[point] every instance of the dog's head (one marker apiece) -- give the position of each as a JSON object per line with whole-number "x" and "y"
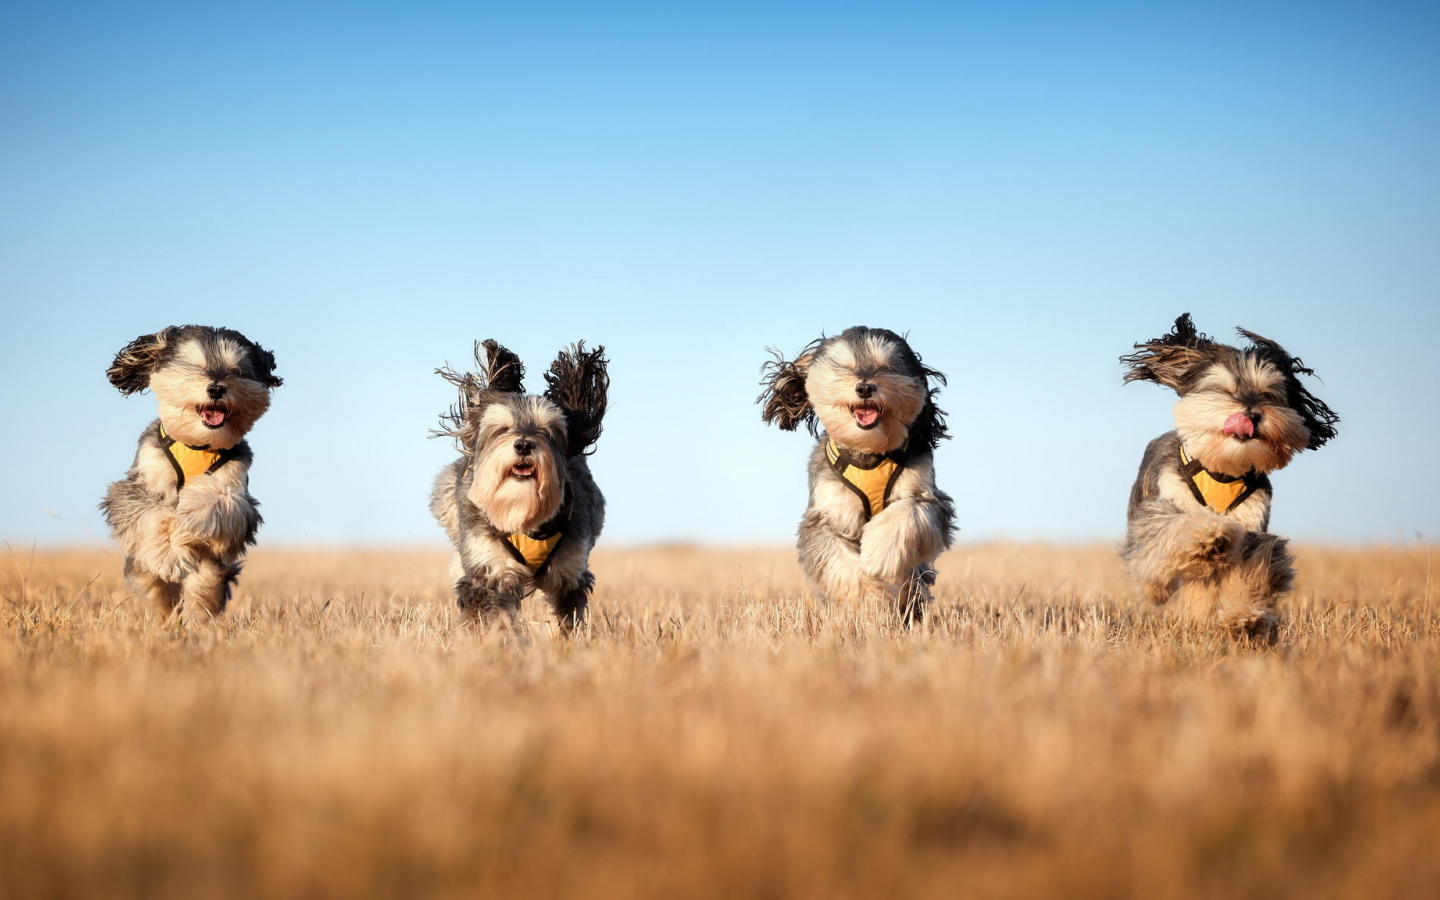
{"x": 865, "y": 386}
{"x": 1239, "y": 408}
{"x": 520, "y": 444}
{"x": 212, "y": 384}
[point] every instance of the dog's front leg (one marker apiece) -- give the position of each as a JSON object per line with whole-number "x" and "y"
{"x": 1165, "y": 545}
{"x": 832, "y": 563}
{"x": 217, "y": 512}
{"x": 907, "y": 533}
{"x": 208, "y": 587}
{"x": 163, "y": 595}
{"x": 156, "y": 549}
{"x": 486, "y": 599}
{"x": 1250, "y": 588}
{"x": 571, "y": 602}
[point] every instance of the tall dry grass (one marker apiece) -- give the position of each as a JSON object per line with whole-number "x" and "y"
{"x": 717, "y": 735}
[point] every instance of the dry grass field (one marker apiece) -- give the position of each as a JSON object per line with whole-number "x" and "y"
{"x": 715, "y": 734}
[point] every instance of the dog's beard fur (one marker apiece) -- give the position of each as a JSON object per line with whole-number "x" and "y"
{"x": 1201, "y": 414}
{"x": 181, "y": 387}
{"x": 830, "y": 384}
{"x": 512, "y": 503}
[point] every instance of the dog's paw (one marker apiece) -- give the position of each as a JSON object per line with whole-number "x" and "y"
{"x": 882, "y": 561}
{"x": 1258, "y": 624}
{"x": 163, "y": 555}
{"x": 173, "y": 566}
{"x": 1216, "y": 544}
{"x": 202, "y": 507}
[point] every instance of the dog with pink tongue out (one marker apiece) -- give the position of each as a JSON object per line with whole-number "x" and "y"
{"x": 183, "y": 513}
{"x": 1199, "y": 510}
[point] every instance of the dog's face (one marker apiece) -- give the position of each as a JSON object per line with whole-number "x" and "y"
{"x": 520, "y": 445}
{"x": 519, "y": 462}
{"x": 1240, "y": 409}
{"x": 865, "y": 386}
{"x": 212, "y": 384}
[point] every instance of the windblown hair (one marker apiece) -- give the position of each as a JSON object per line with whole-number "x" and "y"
{"x": 578, "y": 382}
{"x": 497, "y": 371}
{"x": 132, "y": 367}
{"x": 1181, "y": 358}
{"x": 1174, "y": 359}
{"x": 929, "y": 428}
{"x": 785, "y": 400}
{"x": 1319, "y": 419}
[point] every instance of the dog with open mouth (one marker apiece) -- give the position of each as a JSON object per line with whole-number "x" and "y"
{"x": 1199, "y": 512}
{"x": 520, "y": 504}
{"x": 183, "y": 513}
{"x": 876, "y": 520}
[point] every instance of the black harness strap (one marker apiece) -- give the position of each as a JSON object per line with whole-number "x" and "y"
{"x": 844, "y": 460}
{"x": 1193, "y": 468}
{"x": 167, "y": 442}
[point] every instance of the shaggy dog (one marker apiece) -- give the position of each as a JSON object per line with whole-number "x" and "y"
{"x": 183, "y": 513}
{"x": 876, "y": 521}
{"x": 1200, "y": 508}
{"x": 519, "y": 504}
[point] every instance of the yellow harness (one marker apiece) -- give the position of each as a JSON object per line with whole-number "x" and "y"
{"x": 191, "y": 462}
{"x": 872, "y": 485}
{"x": 533, "y": 551}
{"x": 1222, "y": 493}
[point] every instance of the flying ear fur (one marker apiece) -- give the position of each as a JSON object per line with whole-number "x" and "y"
{"x": 266, "y": 367}
{"x": 784, "y": 401}
{"x": 1170, "y": 359}
{"x": 929, "y": 427}
{"x": 578, "y": 382}
{"x": 1319, "y": 419}
{"x": 498, "y": 370}
{"x": 131, "y": 369}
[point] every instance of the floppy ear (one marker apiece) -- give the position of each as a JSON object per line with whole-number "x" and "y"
{"x": 1170, "y": 359}
{"x": 499, "y": 371}
{"x": 929, "y": 428}
{"x": 130, "y": 372}
{"x": 265, "y": 365}
{"x": 784, "y": 399}
{"x": 578, "y": 382}
{"x": 1319, "y": 419}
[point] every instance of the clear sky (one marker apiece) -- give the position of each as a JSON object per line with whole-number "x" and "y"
{"x": 1025, "y": 188}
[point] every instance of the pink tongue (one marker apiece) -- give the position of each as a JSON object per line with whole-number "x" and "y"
{"x": 213, "y": 417}
{"x": 1240, "y": 424}
{"x": 866, "y": 416}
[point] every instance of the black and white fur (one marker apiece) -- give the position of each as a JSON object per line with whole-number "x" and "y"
{"x": 523, "y": 468}
{"x": 872, "y": 394}
{"x": 1242, "y": 411}
{"x": 184, "y": 545}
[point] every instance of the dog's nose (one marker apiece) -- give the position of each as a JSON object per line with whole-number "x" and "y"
{"x": 216, "y": 391}
{"x": 523, "y": 446}
{"x": 1254, "y": 418}
{"x": 865, "y": 390}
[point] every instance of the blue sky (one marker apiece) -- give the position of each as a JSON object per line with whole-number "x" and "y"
{"x": 1026, "y": 189}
